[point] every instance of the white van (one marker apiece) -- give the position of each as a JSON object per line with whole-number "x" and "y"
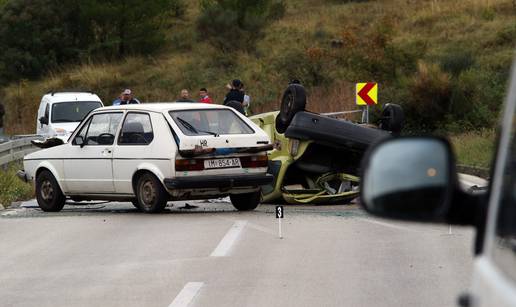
{"x": 60, "y": 113}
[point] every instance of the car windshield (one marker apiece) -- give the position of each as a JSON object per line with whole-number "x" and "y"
{"x": 214, "y": 122}
{"x": 72, "y": 111}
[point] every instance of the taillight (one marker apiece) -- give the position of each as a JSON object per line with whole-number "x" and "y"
{"x": 254, "y": 161}
{"x": 183, "y": 165}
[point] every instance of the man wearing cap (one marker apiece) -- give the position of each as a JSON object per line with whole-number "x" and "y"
{"x": 126, "y": 98}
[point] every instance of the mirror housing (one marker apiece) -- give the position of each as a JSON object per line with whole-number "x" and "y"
{"x": 43, "y": 120}
{"x": 78, "y": 140}
{"x": 409, "y": 178}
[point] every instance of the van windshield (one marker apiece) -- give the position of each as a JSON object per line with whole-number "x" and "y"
{"x": 72, "y": 111}
{"x": 212, "y": 121}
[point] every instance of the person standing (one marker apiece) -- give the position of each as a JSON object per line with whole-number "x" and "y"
{"x": 185, "y": 96}
{"x": 203, "y": 96}
{"x": 247, "y": 100}
{"x": 235, "y": 93}
{"x": 126, "y": 98}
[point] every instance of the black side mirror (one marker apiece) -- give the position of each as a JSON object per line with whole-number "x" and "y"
{"x": 79, "y": 140}
{"x": 409, "y": 178}
{"x": 43, "y": 120}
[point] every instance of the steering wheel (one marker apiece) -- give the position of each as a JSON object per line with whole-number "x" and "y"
{"x": 105, "y": 139}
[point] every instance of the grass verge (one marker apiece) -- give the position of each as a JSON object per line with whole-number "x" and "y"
{"x": 474, "y": 148}
{"x": 11, "y": 187}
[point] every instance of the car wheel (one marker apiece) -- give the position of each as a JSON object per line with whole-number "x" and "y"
{"x": 393, "y": 118}
{"x": 293, "y": 101}
{"x": 48, "y": 193}
{"x": 236, "y": 105}
{"x": 246, "y": 201}
{"x": 152, "y": 197}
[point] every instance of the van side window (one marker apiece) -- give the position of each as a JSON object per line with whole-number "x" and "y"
{"x": 504, "y": 251}
{"x": 47, "y": 111}
{"x": 136, "y": 130}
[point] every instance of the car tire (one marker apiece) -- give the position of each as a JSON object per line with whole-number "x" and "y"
{"x": 151, "y": 196}
{"x": 48, "y": 193}
{"x": 246, "y": 201}
{"x": 293, "y": 101}
{"x": 393, "y": 118}
{"x": 236, "y": 105}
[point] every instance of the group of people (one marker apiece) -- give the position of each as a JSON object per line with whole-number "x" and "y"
{"x": 236, "y": 93}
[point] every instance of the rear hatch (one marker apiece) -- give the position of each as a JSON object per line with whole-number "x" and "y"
{"x": 218, "y": 140}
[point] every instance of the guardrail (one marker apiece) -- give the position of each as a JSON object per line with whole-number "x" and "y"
{"x": 16, "y": 149}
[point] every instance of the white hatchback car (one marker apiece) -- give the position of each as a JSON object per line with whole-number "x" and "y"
{"x": 152, "y": 153}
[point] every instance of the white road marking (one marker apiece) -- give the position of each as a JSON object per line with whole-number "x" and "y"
{"x": 231, "y": 236}
{"x": 384, "y": 224}
{"x": 186, "y": 296}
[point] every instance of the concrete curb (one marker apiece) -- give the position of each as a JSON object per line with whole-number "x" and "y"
{"x": 481, "y": 172}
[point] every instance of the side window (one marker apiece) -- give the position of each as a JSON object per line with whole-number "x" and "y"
{"x": 101, "y": 129}
{"x": 136, "y": 130}
{"x": 504, "y": 252}
{"x": 47, "y": 110}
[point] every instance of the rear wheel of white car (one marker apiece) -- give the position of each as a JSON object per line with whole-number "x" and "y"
{"x": 246, "y": 201}
{"x": 152, "y": 197}
{"x": 48, "y": 193}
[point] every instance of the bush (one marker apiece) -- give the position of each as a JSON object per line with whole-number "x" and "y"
{"x": 430, "y": 94}
{"x": 457, "y": 59}
{"x": 231, "y": 25}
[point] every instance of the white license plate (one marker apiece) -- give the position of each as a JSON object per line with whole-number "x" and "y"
{"x": 222, "y": 163}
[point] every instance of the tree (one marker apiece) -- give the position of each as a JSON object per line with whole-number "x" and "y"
{"x": 236, "y": 24}
{"x": 38, "y": 35}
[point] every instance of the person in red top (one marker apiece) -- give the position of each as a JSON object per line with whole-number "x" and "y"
{"x": 203, "y": 93}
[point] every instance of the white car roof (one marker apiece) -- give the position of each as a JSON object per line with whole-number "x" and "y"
{"x": 71, "y": 96}
{"x": 165, "y": 106}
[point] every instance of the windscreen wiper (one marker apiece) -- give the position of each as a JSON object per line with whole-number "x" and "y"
{"x": 190, "y": 127}
{"x": 187, "y": 125}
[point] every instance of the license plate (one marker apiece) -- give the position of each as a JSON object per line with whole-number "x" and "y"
{"x": 222, "y": 163}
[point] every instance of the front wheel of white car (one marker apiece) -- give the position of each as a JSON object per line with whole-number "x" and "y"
{"x": 246, "y": 201}
{"x": 152, "y": 197}
{"x": 48, "y": 193}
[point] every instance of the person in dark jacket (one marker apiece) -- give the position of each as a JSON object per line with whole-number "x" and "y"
{"x": 235, "y": 93}
{"x": 126, "y": 98}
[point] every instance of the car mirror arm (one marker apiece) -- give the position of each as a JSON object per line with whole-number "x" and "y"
{"x": 469, "y": 209}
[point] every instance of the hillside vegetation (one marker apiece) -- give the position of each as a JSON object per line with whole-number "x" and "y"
{"x": 445, "y": 61}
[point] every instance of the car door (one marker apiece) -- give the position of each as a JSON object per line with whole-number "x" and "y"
{"x": 88, "y": 168}
{"x": 134, "y": 146}
{"x": 494, "y": 279}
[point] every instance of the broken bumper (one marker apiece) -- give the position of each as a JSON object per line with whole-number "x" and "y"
{"x": 199, "y": 182}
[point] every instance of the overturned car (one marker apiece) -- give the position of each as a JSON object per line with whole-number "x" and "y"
{"x": 316, "y": 158}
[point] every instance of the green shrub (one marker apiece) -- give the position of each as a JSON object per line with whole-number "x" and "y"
{"x": 429, "y": 100}
{"x": 12, "y": 188}
{"x": 232, "y": 25}
{"x": 456, "y": 59}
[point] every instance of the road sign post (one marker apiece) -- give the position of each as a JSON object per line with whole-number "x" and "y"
{"x": 366, "y": 94}
{"x": 279, "y": 216}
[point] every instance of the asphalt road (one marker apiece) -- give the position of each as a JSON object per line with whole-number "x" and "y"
{"x": 112, "y": 255}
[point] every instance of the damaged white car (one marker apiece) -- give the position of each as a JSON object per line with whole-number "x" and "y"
{"x": 152, "y": 153}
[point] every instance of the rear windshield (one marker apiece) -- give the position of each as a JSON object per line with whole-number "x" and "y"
{"x": 215, "y": 122}
{"x": 72, "y": 111}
